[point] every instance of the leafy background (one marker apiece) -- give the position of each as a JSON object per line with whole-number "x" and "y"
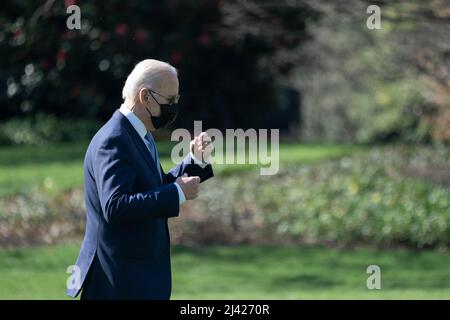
{"x": 364, "y": 117}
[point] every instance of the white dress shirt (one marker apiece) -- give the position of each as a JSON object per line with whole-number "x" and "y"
{"x": 142, "y": 131}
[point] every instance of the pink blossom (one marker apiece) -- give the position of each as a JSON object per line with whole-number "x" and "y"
{"x": 140, "y": 35}
{"x": 175, "y": 58}
{"x": 45, "y": 64}
{"x": 203, "y": 39}
{"x": 69, "y": 2}
{"x": 60, "y": 55}
{"x": 17, "y": 33}
{"x": 121, "y": 29}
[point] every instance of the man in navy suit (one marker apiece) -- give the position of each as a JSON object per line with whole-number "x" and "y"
{"x": 125, "y": 253}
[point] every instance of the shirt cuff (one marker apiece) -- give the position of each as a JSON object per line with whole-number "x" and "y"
{"x": 199, "y": 162}
{"x": 181, "y": 196}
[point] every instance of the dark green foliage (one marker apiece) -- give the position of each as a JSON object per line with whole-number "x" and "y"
{"x": 43, "y": 129}
{"x": 80, "y": 73}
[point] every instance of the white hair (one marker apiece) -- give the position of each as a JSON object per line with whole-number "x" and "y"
{"x": 144, "y": 74}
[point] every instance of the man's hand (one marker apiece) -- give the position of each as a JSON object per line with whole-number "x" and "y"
{"x": 189, "y": 185}
{"x": 201, "y": 147}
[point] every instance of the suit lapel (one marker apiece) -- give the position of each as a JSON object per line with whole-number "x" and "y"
{"x": 137, "y": 140}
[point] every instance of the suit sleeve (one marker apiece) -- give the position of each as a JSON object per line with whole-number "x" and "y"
{"x": 191, "y": 168}
{"x": 115, "y": 176}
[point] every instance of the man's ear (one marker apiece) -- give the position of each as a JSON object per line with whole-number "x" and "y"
{"x": 143, "y": 96}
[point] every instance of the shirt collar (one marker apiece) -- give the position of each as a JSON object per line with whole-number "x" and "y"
{"x": 137, "y": 124}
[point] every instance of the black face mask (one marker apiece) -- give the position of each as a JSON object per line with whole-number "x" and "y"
{"x": 169, "y": 112}
{"x": 168, "y": 115}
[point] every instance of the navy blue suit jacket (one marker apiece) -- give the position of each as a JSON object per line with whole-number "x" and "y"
{"x": 125, "y": 253}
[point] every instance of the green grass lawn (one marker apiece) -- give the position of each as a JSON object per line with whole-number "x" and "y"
{"x": 250, "y": 272}
{"x": 60, "y": 167}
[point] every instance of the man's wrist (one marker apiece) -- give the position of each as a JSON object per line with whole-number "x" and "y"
{"x": 181, "y": 196}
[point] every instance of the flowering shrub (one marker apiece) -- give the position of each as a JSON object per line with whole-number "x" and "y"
{"x": 371, "y": 199}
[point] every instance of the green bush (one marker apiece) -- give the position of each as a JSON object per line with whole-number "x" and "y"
{"x": 364, "y": 199}
{"x": 334, "y": 203}
{"x": 37, "y": 218}
{"x": 368, "y": 199}
{"x": 390, "y": 111}
{"x": 46, "y": 129}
